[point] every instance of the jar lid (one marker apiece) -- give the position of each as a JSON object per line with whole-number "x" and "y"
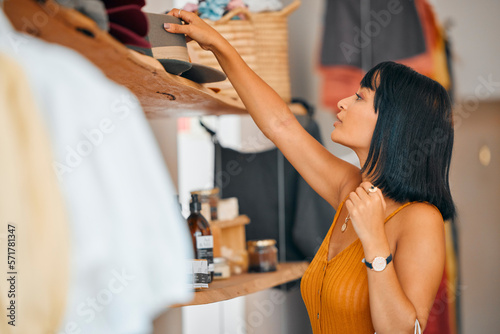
{"x": 220, "y": 260}
{"x": 206, "y": 192}
{"x": 261, "y": 243}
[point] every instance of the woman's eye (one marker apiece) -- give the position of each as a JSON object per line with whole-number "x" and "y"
{"x": 358, "y": 97}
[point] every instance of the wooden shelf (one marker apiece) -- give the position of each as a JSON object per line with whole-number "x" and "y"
{"x": 161, "y": 94}
{"x": 248, "y": 283}
{"x": 240, "y": 220}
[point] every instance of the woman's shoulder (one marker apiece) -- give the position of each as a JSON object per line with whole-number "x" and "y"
{"x": 420, "y": 210}
{"x": 418, "y": 219}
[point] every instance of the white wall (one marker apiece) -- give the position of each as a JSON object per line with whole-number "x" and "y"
{"x": 476, "y": 41}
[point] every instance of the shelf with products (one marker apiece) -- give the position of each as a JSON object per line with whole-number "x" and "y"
{"x": 247, "y": 283}
{"x": 230, "y": 235}
{"x": 161, "y": 94}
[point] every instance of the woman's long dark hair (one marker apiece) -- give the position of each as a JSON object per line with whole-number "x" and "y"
{"x": 410, "y": 152}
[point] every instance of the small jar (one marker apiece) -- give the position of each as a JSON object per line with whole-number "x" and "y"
{"x": 221, "y": 268}
{"x": 262, "y": 255}
{"x": 210, "y": 196}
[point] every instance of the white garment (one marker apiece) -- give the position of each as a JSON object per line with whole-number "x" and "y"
{"x": 257, "y": 6}
{"x": 129, "y": 242}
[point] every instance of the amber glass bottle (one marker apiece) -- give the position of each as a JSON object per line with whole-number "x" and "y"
{"x": 203, "y": 242}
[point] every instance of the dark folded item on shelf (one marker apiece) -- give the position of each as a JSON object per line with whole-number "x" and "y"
{"x": 118, "y": 3}
{"x": 127, "y": 36}
{"x": 130, "y": 17}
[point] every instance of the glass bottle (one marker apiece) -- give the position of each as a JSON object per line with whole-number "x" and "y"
{"x": 203, "y": 242}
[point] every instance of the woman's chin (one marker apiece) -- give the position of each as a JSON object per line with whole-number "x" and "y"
{"x": 333, "y": 136}
{"x": 337, "y": 139}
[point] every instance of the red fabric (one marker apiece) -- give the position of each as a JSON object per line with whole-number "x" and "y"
{"x": 439, "y": 319}
{"x": 118, "y": 3}
{"x": 127, "y": 22}
{"x": 340, "y": 82}
{"x": 130, "y": 17}
{"x": 127, "y": 36}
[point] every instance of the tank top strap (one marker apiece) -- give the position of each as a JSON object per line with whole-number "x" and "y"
{"x": 342, "y": 203}
{"x": 398, "y": 209}
{"x": 393, "y": 213}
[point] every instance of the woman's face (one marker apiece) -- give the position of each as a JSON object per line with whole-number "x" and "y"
{"x": 356, "y": 121}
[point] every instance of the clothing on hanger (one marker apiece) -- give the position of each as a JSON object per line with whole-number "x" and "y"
{"x": 129, "y": 242}
{"x": 385, "y": 33}
{"x": 33, "y": 220}
{"x": 412, "y": 37}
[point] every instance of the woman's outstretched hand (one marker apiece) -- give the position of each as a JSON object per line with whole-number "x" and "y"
{"x": 366, "y": 208}
{"x": 195, "y": 29}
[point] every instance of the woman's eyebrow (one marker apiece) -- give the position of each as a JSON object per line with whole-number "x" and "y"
{"x": 364, "y": 91}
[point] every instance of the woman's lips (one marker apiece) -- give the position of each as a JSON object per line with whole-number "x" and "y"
{"x": 337, "y": 123}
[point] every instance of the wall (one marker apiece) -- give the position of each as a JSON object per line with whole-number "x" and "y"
{"x": 474, "y": 34}
{"x": 476, "y": 191}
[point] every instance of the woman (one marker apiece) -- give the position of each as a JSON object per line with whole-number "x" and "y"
{"x": 392, "y": 210}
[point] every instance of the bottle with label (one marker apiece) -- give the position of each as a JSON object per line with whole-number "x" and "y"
{"x": 203, "y": 241}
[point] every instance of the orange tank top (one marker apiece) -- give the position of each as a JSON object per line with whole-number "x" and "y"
{"x": 335, "y": 292}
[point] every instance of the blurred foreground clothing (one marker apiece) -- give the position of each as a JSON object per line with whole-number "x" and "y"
{"x": 33, "y": 225}
{"x": 129, "y": 241}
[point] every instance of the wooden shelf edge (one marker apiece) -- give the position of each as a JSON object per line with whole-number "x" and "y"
{"x": 240, "y": 220}
{"x": 161, "y": 94}
{"x": 244, "y": 284}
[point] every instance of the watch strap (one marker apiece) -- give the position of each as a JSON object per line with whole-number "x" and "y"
{"x": 369, "y": 265}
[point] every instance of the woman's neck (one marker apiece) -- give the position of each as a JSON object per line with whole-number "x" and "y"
{"x": 391, "y": 205}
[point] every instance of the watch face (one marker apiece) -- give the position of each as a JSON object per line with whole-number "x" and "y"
{"x": 379, "y": 263}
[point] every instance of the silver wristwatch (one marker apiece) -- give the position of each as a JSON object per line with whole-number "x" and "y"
{"x": 379, "y": 263}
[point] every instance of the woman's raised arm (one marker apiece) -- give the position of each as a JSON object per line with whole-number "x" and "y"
{"x": 325, "y": 173}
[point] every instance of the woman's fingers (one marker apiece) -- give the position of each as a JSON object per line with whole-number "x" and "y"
{"x": 186, "y": 29}
{"x": 362, "y": 193}
{"x": 194, "y": 29}
{"x": 177, "y": 28}
{"x": 183, "y": 15}
{"x": 371, "y": 190}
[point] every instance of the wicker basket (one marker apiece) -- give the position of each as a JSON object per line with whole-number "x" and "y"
{"x": 262, "y": 42}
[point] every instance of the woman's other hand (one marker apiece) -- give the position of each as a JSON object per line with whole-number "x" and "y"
{"x": 195, "y": 29}
{"x": 366, "y": 207}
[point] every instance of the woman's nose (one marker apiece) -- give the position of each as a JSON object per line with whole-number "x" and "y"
{"x": 342, "y": 104}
